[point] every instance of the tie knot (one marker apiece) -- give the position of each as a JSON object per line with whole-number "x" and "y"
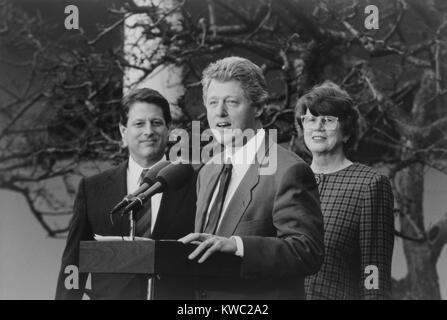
{"x": 143, "y": 174}
{"x": 228, "y": 166}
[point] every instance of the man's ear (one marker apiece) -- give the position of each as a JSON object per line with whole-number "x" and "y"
{"x": 123, "y": 134}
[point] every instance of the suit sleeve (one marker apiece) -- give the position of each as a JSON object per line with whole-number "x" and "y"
{"x": 376, "y": 238}
{"x": 298, "y": 248}
{"x": 79, "y": 230}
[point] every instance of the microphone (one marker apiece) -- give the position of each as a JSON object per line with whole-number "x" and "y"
{"x": 172, "y": 177}
{"x": 147, "y": 181}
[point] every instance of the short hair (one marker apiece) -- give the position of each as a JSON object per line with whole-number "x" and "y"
{"x": 144, "y": 95}
{"x": 239, "y": 69}
{"x": 330, "y": 100}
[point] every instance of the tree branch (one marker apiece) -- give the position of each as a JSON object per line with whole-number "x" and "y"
{"x": 375, "y": 48}
{"x": 268, "y": 51}
{"x": 212, "y": 17}
{"x": 109, "y": 29}
{"x": 276, "y": 115}
{"x": 234, "y": 12}
{"x": 12, "y": 94}
{"x": 37, "y": 213}
{"x": 407, "y": 237}
{"x": 20, "y": 113}
{"x": 403, "y": 9}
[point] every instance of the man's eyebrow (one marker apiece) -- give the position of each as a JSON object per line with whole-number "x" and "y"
{"x": 227, "y": 96}
{"x": 150, "y": 118}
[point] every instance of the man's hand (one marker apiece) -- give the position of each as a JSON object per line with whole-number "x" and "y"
{"x": 208, "y": 244}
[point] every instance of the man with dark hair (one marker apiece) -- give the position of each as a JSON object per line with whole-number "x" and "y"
{"x": 144, "y": 127}
{"x": 144, "y": 95}
{"x": 272, "y": 220}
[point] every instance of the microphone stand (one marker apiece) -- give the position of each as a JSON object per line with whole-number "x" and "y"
{"x": 150, "y": 281}
{"x": 132, "y": 218}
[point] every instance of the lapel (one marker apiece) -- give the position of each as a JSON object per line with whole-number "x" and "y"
{"x": 204, "y": 197}
{"x": 244, "y": 193}
{"x": 241, "y": 198}
{"x": 239, "y": 203}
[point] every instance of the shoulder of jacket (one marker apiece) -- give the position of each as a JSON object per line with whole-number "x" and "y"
{"x": 101, "y": 176}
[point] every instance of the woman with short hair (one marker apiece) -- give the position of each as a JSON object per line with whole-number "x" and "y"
{"x": 356, "y": 201}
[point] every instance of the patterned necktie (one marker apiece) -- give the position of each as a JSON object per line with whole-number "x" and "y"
{"x": 217, "y": 206}
{"x": 144, "y": 215}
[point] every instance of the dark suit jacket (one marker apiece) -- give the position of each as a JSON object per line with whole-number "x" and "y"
{"x": 279, "y": 220}
{"x": 96, "y": 196}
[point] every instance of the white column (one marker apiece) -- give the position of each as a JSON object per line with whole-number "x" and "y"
{"x": 142, "y": 52}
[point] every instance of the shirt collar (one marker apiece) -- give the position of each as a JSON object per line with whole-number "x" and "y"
{"x": 135, "y": 169}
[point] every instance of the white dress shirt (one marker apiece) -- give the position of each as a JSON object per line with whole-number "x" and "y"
{"x": 241, "y": 160}
{"x": 134, "y": 171}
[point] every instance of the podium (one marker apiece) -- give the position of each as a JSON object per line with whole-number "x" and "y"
{"x": 154, "y": 257}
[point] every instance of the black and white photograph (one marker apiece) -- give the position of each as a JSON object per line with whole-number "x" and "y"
{"x": 252, "y": 151}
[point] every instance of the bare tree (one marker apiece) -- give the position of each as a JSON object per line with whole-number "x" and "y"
{"x": 59, "y": 113}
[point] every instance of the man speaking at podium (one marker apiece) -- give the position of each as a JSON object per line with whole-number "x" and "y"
{"x": 144, "y": 127}
{"x": 272, "y": 220}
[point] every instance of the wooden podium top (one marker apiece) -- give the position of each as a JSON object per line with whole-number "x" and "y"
{"x": 162, "y": 257}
